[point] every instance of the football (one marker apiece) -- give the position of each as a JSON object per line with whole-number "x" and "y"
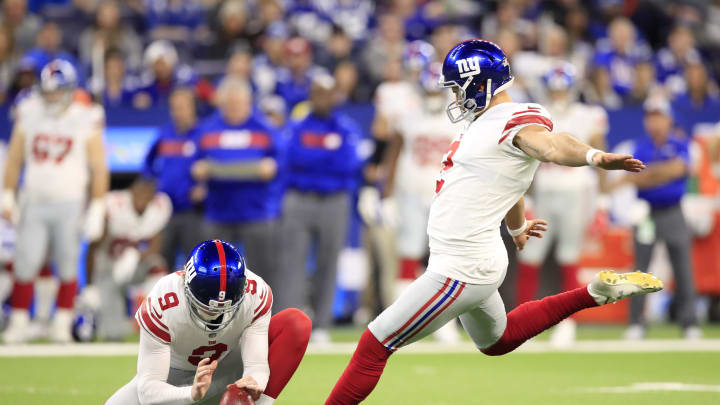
{"x": 236, "y": 396}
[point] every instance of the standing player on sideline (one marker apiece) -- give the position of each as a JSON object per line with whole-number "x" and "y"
{"x": 485, "y": 173}
{"x": 209, "y": 326}
{"x": 563, "y": 195}
{"x": 58, "y": 136}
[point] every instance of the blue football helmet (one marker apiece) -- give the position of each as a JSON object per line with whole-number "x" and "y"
{"x": 417, "y": 55}
{"x": 214, "y": 284}
{"x": 57, "y": 75}
{"x": 561, "y": 77}
{"x": 468, "y": 66}
{"x": 57, "y": 84}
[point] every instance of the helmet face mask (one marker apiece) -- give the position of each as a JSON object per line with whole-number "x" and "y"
{"x": 214, "y": 284}
{"x": 476, "y": 70}
{"x": 57, "y": 84}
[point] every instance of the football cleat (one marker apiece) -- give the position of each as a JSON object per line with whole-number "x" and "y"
{"x": 17, "y": 330}
{"x": 609, "y": 286}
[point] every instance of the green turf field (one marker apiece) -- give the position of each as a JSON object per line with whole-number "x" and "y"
{"x": 523, "y": 378}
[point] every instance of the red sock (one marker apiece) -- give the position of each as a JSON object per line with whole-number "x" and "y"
{"x": 408, "y": 268}
{"x": 22, "y": 295}
{"x": 570, "y": 273}
{"x": 526, "y": 283}
{"x": 362, "y": 374}
{"x": 66, "y": 294}
{"x": 288, "y": 336}
{"x": 45, "y": 271}
{"x": 533, "y": 317}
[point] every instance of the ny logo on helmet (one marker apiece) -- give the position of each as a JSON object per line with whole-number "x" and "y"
{"x": 468, "y": 67}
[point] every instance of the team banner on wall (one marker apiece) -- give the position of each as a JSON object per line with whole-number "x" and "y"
{"x": 127, "y": 147}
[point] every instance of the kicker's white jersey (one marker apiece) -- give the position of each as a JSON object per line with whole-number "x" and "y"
{"x": 165, "y": 315}
{"x": 426, "y": 137}
{"x": 582, "y": 121}
{"x": 126, "y": 227}
{"x": 56, "y": 161}
{"x": 483, "y": 175}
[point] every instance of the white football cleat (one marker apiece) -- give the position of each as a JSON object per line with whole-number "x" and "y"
{"x": 692, "y": 333}
{"x": 609, "y": 286}
{"x": 320, "y": 337}
{"x": 563, "y": 334}
{"x": 61, "y": 327}
{"x": 18, "y": 327}
{"x": 635, "y": 332}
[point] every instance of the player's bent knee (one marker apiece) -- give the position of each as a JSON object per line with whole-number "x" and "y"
{"x": 297, "y": 323}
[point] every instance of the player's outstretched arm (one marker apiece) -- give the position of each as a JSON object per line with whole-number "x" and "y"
{"x": 152, "y": 372}
{"x": 99, "y": 185}
{"x": 13, "y": 167}
{"x": 564, "y": 149}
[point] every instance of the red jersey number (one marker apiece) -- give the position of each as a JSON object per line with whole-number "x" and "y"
{"x": 171, "y": 300}
{"x": 54, "y": 149}
{"x": 251, "y": 287}
{"x": 447, "y": 163}
{"x": 198, "y": 354}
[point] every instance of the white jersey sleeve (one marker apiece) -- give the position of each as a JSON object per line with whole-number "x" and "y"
{"x": 532, "y": 114}
{"x": 153, "y": 367}
{"x": 254, "y": 349}
{"x": 150, "y": 314}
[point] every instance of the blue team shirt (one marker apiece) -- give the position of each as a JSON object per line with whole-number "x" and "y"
{"x": 322, "y": 153}
{"x": 668, "y": 194}
{"x": 621, "y": 67}
{"x": 168, "y": 162}
{"x": 232, "y": 201}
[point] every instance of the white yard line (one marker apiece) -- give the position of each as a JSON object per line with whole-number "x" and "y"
{"x": 583, "y": 346}
{"x": 652, "y": 387}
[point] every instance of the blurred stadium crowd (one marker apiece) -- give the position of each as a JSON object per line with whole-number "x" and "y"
{"x": 280, "y": 124}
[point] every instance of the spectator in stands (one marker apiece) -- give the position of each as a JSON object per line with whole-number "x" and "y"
{"x": 268, "y": 63}
{"x": 163, "y": 72}
{"x": 8, "y": 61}
{"x": 116, "y": 89}
{"x": 444, "y": 37}
{"x": 168, "y": 162}
{"x": 173, "y": 20}
{"x": 338, "y": 47}
{"x": 107, "y": 32}
{"x": 73, "y": 17}
{"x": 238, "y": 157}
{"x": 48, "y": 47}
{"x": 700, "y": 102}
{"x": 387, "y": 43}
{"x": 24, "y": 25}
{"x": 274, "y": 109}
{"x": 346, "y": 79}
{"x": 618, "y": 56}
{"x": 321, "y": 159}
{"x": 229, "y": 30}
{"x": 508, "y": 40}
{"x": 509, "y": 16}
{"x": 294, "y": 82}
{"x": 644, "y": 85}
{"x": 662, "y": 185}
{"x": 670, "y": 61}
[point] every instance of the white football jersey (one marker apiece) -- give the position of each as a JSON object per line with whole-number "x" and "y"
{"x": 126, "y": 227}
{"x": 582, "y": 121}
{"x": 483, "y": 175}
{"x": 56, "y": 161}
{"x": 426, "y": 137}
{"x": 397, "y": 100}
{"x": 165, "y": 315}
